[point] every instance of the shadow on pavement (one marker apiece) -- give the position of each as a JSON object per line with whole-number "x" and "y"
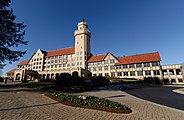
{"x": 115, "y": 96}
{"x": 28, "y": 106}
{"x": 161, "y": 95}
{"x": 13, "y": 87}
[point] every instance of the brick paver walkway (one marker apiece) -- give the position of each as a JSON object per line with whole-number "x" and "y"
{"x": 28, "y": 104}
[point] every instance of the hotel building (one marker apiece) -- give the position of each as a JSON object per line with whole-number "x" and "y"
{"x": 79, "y": 60}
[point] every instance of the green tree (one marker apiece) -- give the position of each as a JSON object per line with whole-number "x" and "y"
{"x": 11, "y": 35}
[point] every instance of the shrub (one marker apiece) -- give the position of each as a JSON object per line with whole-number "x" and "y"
{"x": 65, "y": 79}
{"x": 152, "y": 80}
{"x": 148, "y": 80}
{"x": 100, "y": 79}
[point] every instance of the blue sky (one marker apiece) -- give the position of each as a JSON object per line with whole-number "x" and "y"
{"x": 122, "y": 27}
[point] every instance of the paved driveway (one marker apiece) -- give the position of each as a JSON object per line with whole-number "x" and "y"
{"x": 31, "y": 104}
{"x": 160, "y": 94}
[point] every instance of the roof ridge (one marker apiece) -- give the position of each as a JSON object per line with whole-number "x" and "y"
{"x": 99, "y": 54}
{"x": 61, "y": 49}
{"x": 138, "y": 54}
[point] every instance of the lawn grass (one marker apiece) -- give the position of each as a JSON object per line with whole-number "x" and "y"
{"x": 90, "y": 102}
{"x": 181, "y": 89}
{"x": 133, "y": 81}
{"x": 39, "y": 85}
{"x": 53, "y": 85}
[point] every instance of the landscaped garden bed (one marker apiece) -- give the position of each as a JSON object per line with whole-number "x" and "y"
{"x": 90, "y": 102}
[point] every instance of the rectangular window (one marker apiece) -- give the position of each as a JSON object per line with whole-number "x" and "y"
{"x": 171, "y": 72}
{"x": 147, "y": 72}
{"x": 89, "y": 69}
{"x": 139, "y": 65}
{"x": 132, "y": 73}
{"x": 100, "y": 74}
{"x": 106, "y": 67}
{"x": 118, "y": 67}
{"x": 106, "y": 74}
{"x": 173, "y": 80}
{"x": 112, "y": 74}
{"x": 119, "y": 73}
{"x": 125, "y": 73}
{"x": 146, "y": 64}
{"x": 105, "y": 62}
{"x": 180, "y": 80}
{"x": 94, "y": 75}
{"x": 131, "y": 66}
{"x": 125, "y": 66}
{"x": 100, "y": 68}
{"x": 112, "y": 67}
{"x": 155, "y": 64}
{"x": 139, "y": 73}
{"x": 94, "y": 69}
{"x": 156, "y": 72}
{"x": 112, "y": 61}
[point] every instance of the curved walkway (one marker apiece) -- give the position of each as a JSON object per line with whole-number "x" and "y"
{"x": 29, "y": 104}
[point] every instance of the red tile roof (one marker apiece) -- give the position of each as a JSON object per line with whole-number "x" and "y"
{"x": 64, "y": 51}
{"x": 25, "y": 62}
{"x": 97, "y": 58}
{"x": 11, "y": 71}
{"x": 139, "y": 58}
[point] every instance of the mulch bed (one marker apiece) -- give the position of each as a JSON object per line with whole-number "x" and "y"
{"x": 89, "y": 107}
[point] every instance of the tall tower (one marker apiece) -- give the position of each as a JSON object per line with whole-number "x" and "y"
{"x": 82, "y": 45}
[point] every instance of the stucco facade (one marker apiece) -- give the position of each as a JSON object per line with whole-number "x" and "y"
{"x": 50, "y": 64}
